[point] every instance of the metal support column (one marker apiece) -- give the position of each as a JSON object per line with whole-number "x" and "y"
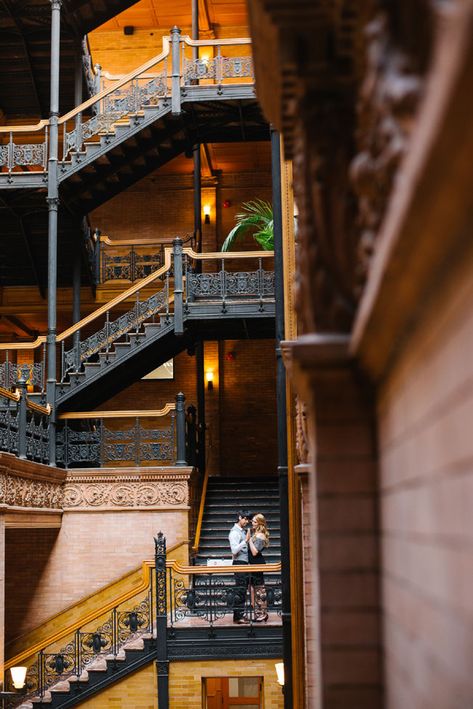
{"x": 281, "y": 419}
{"x": 53, "y": 204}
{"x": 162, "y": 662}
{"x": 76, "y": 278}
{"x": 197, "y": 198}
{"x": 180, "y": 430}
{"x": 199, "y": 363}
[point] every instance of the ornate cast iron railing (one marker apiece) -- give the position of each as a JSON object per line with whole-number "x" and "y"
{"x": 24, "y": 425}
{"x": 86, "y": 441}
{"x": 182, "y": 287}
{"x": 162, "y": 82}
{"x": 104, "y": 636}
{"x": 129, "y": 260}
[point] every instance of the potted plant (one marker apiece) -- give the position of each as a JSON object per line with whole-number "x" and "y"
{"x": 256, "y": 215}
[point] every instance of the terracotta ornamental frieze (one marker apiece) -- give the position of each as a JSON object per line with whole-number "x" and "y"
{"x": 125, "y": 490}
{"x": 22, "y": 492}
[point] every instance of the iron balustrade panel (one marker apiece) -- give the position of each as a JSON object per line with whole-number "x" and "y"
{"x": 101, "y": 445}
{"x": 37, "y": 437}
{"x": 9, "y": 429}
{"x": 10, "y": 374}
{"x": 217, "y": 69}
{"x": 78, "y": 447}
{"x": 211, "y": 597}
{"x": 227, "y": 284}
{"x": 86, "y": 645}
{"x": 113, "y": 330}
{"x": 121, "y": 103}
{"x": 131, "y": 266}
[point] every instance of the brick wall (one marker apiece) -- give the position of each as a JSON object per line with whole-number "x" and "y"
{"x": 248, "y": 442}
{"x": 49, "y": 570}
{"x": 185, "y": 680}
{"x": 185, "y": 685}
{"x": 137, "y": 691}
{"x": 426, "y": 448}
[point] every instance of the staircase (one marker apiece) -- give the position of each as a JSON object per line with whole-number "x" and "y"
{"x": 225, "y": 497}
{"x": 100, "y": 675}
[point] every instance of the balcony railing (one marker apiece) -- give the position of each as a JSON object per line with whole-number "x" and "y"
{"x": 163, "y": 81}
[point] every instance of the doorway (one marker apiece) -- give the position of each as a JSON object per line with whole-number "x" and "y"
{"x": 233, "y": 692}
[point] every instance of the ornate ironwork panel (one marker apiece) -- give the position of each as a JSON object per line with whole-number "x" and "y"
{"x": 4, "y": 155}
{"x": 102, "y": 445}
{"x": 112, "y": 331}
{"x": 11, "y": 372}
{"x": 9, "y": 429}
{"x": 30, "y": 154}
{"x": 217, "y": 69}
{"x": 225, "y": 284}
{"x": 118, "y": 104}
{"x": 37, "y": 438}
{"x": 130, "y": 266}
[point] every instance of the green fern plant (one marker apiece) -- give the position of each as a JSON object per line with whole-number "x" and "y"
{"x": 256, "y": 215}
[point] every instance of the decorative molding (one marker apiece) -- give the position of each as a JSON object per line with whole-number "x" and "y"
{"x": 127, "y": 490}
{"x": 17, "y": 491}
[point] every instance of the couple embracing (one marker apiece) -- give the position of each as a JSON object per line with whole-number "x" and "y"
{"x": 247, "y": 545}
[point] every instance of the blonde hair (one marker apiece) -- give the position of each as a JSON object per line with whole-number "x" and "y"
{"x": 261, "y": 527}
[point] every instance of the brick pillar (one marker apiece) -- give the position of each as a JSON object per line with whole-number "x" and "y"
{"x": 345, "y": 663}
{"x": 2, "y": 596}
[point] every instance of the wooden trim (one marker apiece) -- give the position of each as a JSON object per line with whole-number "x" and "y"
{"x": 45, "y": 410}
{"x": 179, "y": 568}
{"x": 201, "y": 512}
{"x": 104, "y": 239}
{"x": 146, "y": 567}
{"x": 226, "y": 254}
{"x": 7, "y": 394}
{"x": 23, "y": 345}
{"x": 118, "y": 414}
{"x": 25, "y": 129}
{"x": 214, "y": 42}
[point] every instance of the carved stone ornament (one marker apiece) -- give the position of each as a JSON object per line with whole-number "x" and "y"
{"x": 125, "y": 491}
{"x": 17, "y": 491}
{"x": 302, "y": 433}
{"x": 388, "y": 100}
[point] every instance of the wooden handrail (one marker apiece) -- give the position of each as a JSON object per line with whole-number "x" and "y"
{"x": 230, "y": 569}
{"x": 131, "y": 242}
{"x": 146, "y": 567}
{"x": 124, "y": 80}
{"x": 77, "y": 415}
{"x": 33, "y": 406}
{"x": 7, "y": 394}
{"x": 200, "y": 516}
{"x": 226, "y": 254}
{"x": 97, "y": 97}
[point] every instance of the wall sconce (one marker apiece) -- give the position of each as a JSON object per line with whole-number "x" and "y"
{"x": 209, "y": 378}
{"x": 18, "y": 678}
{"x": 206, "y": 213}
{"x": 280, "y": 673}
{"x": 18, "y": 675}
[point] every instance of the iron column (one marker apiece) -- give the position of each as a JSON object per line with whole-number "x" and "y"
{"x": 281, "y": 418}
{"x": 53, "y": 203}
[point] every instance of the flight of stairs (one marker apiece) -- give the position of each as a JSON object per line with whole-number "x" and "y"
{"x": 225, "y": 497}
{"x": 101, "y": 673}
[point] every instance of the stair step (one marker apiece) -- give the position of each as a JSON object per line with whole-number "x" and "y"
{"x": 151, "y": 328}
{"x": 106, "y": 357}
{"x": 91, "y": 368}
{"x": 121, "y": 348}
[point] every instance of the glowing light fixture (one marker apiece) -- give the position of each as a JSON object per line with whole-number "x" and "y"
{"x": 280, "y": 672}
{"x": 18, "y": 675}
{"x": 209, "y": 378}
{"x": 206, "y": 213}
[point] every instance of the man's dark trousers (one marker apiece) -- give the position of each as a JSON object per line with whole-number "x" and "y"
{"x": 241, "y": 585}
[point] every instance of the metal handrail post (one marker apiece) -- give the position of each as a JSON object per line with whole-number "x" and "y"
{"x": 178, "y": 288}
{"x": 180, "y": 430}
{"x": 176, "y": 71}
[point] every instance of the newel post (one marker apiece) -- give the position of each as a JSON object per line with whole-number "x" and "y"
{"x": 22, "y": 422}
{"x": 178, "y": 288}
{"x": 176, "y": 70}
{"x": 180, "y": 430}
{"x": 162, "y": 662}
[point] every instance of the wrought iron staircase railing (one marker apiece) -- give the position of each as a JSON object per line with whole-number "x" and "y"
{"x": 173, "y": 596}
{"x": 85, "y": 439}
{"x": 158, "y": 86}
